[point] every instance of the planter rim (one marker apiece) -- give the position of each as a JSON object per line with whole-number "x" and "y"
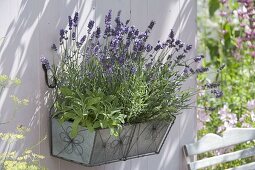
{"x": 126, "y": 124}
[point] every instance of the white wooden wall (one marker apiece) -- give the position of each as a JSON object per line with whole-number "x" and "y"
{"x": 31, "y": 26}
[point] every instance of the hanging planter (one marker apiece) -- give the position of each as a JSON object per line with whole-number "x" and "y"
{"x": 117, "y": 96}
{"x": 100, "y": 147}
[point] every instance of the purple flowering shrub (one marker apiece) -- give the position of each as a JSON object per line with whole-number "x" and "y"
{"x": 112, "y": 75}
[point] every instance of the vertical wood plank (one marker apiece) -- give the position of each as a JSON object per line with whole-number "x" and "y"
{"x": 20, "y": 27}
{"x": 7, "y": 19}
{"x": 102, "y": 8}
{"x": 139, "y": 14}
{"x": 188, "y": 34}
{"x": 166, "y": 15}
{"x": 52, "y": 17}
{"x": 66, "y": 165}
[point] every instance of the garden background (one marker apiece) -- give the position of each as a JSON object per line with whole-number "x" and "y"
{"x": 30, "y": 27}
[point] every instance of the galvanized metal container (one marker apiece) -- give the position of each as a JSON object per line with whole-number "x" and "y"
{"x": 99, "y": 147}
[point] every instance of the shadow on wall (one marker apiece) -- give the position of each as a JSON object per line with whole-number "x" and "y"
{"x": 35, "y": 26}
{"x": 20, "y": 55}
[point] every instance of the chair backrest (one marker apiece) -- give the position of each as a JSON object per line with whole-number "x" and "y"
{"x": 213, "y": 142}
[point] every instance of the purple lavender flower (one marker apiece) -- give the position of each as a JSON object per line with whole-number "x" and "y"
{"x": 90, "y": 25}
{"x": 192, "y": 71}
{"x": 114, "y": 44}
{"x": 158, "y": 46}
{"x": 186, "y": 70}
{"x": 138, "y": 45}
{"x": 121, "y": 59}
{"x": 128, "y": 42}
{"x": 83, "y": 38}
{"x": 108, "y": 18}
{"x": 62, "y": 34}
{"x": 73, "y": 35}
{"x": 75, "y": 19}
{"x": 177, "y": 42}
{"x": 127, "y": 22}
{"x": 54, "y": 47}
{"x": 164, "y": 45}
{"x": 78, "y": 45}
{"x": 70, "y": 22}
{"x": 130, "y": 35}
{"x": 45, "y": 62}
{"x": 171, "y": 35}
{"x": 148, "y": 65}
{"x": 212, "y": 85}
{"x": 217, "y": 93}
{"x": 149, "y": 48}
{"x": 188, "y": 48}
{"x": 66, "y": 37}
{"x": 117, "y": 19}
{"x": 133, "y": 70}
{"x": 221, "y": 67}
{"x": 181, "y": 45}
{"x": 143, "y": 36}
{"x": 197, "y": 59}
{"x": 136, "y": 33}
{"x": 181, "y": 56}
{"x": 152, "y": 23}
{"x": 96, "y": 49}
{"x": 98, "y": 32}
{"x": 202, "y": 69}
{"x": 107, "y": 31}
{"x": 126, "y": 28}
{"x": 110, "y": 70}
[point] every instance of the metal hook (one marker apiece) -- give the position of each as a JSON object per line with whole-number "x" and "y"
{"x": 54, "y": 84}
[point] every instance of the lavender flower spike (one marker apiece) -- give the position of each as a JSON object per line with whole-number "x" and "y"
{"x": 62, "y": 34}
{"x": 75, "y": 19}
{"x": 108, "y": 18}
{"x": 54, "y": 47}
{"x": 148, "y": 48}
{"x": 70, "y": 22}
{"x": 171, "y": 35}
{"x": 152, "y": 23}
{"x": 90, "y": 25}
{"x": 45, "y": 62}
{"x": 98, "y": 32}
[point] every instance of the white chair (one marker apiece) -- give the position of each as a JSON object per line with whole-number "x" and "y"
{"x": 212, "y": 142}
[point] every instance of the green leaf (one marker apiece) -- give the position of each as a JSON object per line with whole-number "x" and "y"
{"x": 103, "y": 123}
{"x": 213, "y": 6}
{"x": 92, "y": 101}
{"x": 96, "y": 125}
{"x": 66, "y": 91}
{"x": 115, "y": 111}
{"x": 90, "y": 126}
{"x": 75, "y": 125}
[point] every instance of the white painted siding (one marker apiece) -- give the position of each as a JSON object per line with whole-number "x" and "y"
{"x": 31, "y": 26}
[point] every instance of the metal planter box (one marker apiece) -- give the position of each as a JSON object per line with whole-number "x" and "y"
{"x": 99, "y": 147}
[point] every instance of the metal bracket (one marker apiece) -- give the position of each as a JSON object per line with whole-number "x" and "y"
{"x": 54, "y": 84}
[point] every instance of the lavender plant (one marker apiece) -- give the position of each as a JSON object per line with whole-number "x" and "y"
{"x": 112, "y": 75}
